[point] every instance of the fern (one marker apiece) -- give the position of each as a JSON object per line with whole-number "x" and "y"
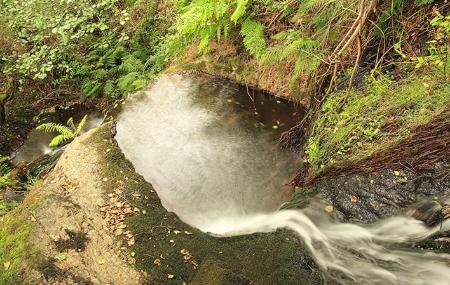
{"x": 131, "y": 64}
{"x": 253, "y": 33}
{"x": 241, "y": 7}
{"x": 131, "y": 82}
{"x": 202, "y": 19}
{"x": 65, "y": 133}
{"x": 313, "y": 5}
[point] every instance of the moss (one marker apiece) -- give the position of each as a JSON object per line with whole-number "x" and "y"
{"x": 16, "y": 253}
{"x": 14, "y": 246}
{"x": 354, "y": 124}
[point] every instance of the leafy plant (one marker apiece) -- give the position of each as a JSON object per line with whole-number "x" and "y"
{"x": 5, "y": 207}
{"x": 439, "y": 47}
{"x": 65, "y": 133}
{"x": 6, "y": 180}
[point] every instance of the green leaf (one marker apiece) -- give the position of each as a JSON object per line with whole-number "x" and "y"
{"x": 60, "y": 256}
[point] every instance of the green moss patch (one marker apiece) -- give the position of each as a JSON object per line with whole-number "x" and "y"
{"x": 354, "y": 124}
{"x": 14, "y": 246}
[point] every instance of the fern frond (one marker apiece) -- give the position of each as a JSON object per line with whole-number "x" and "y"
{"x": 253, "y": 33}
{"x": 80, "y": 125}
{"x": 59, "y": 140}
{"x": 241, "y": 7}
{"x": 91, "y": 88}
{"x": 131, "y": 64}
{"x": 313, "y": 5}
{"x": 70, "y": 123}
{"x": 53, "y": 127}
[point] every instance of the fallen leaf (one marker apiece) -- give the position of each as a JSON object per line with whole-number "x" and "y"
{"x": 157, "y": 262}
{"x": 170, "y": 276}
{"x": 6, "y": 265}
{"x": 329, "y": 209}
{"x": 354, "y": 199}
{"x": 188, "y": 233}
{"x": 397, "y": 173}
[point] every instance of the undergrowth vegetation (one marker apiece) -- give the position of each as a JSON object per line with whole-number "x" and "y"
{"x": 354, "y": 124}
{"x": 357, "y": 123}
{"x": 307, "y": 44}
{"x": 5, "y": 176}
{"x": 107, "y": 46}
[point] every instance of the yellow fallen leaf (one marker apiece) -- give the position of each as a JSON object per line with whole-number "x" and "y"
{"x": 170, "y": 276}
{"x": 329, "y": 209}
{"x": 6, "y": 265}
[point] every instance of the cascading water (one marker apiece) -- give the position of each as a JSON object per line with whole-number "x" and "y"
{"x": 214, "y": 161}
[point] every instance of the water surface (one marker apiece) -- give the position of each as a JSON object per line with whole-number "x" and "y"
{"x": 209, "y": 148}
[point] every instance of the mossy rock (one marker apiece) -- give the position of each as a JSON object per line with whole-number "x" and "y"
{"x": 60, "y": 234}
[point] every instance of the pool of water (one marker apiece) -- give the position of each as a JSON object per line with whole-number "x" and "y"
{"x": 209, "y": 147}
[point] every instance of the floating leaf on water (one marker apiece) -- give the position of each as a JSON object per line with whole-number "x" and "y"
{"x": 157, "y": 262}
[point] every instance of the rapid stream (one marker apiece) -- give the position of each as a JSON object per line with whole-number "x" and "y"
{"x": 210, "y": 150}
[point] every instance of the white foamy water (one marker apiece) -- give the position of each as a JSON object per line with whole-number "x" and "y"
{"x": 202, "y": 162}
{"x": 226, "y": 177}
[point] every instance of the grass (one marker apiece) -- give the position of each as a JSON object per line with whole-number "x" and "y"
{"x": 354, "y": 124}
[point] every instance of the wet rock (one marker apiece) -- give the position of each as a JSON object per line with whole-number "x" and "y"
{"x": 369, "y": 197}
